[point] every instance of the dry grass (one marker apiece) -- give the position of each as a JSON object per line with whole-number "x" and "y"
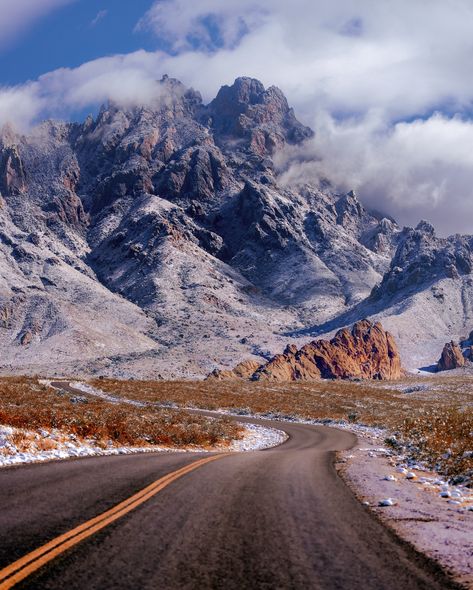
{"x": 25, "y": 404}
{"x": 442, "y": 438}
{"x": 432, "y": 416}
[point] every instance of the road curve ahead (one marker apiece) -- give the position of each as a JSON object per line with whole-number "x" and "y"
{"x": 275, "y": 519}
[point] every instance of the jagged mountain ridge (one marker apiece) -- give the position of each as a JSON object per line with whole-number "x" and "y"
{"x": 157, "y": 240}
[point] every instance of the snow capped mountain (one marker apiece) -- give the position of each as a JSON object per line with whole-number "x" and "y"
{"x": 158, "y": 241}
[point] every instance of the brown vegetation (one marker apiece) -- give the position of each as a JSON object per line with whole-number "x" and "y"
{"x": 25, "y": 404}
{"x": 442, "y": 438}
{"x": 434, "y": 416}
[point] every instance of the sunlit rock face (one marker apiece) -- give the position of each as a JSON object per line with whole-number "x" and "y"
{"x": 366, "y": 351}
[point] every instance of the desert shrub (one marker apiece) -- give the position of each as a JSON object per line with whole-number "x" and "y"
{"x": 26, "y": 405}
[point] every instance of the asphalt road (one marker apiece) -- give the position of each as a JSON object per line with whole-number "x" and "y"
{"x": 275, "y": 519}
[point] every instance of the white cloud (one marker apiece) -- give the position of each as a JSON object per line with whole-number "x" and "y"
{"x": 101, "y": 14}
{"x": 406, "y": 58}
{"x": 207, "y": 24}
{"x": 127, "y": 79}
{"x": 366, "y": 75}
{"x": 19, "y": 105}
{"x": 17, "y": 15}
{"x": 420, "y": 169}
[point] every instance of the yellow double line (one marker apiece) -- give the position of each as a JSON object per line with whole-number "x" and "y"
{"x": 25, "y": 566}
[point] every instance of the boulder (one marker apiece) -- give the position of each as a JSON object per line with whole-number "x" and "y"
{"x": 244, "y": 370}
{"x": 452, "y": 357}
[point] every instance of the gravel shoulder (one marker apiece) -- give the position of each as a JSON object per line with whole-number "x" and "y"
{"x": 440, "y": 527}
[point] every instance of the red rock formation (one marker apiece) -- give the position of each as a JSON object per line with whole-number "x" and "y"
{"x": 452, "y": 357}
{"x": 244, "y": 370}
{"x": 366, "y": 351}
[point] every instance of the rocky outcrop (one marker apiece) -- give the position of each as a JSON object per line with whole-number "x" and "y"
{"x": 366, "y": 351}
{"x": 12, "y": 173}
{"x": 244, "y": 370}
{"x": 26, "y": 338}
{"x": 452, "y": 357}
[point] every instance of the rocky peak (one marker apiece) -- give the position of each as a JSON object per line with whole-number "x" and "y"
{"x": 349, "y": 210}
{"x": 422, "y": 258}
{"x": 262, "y": 117}
{"x": 243, "y": 92}
{"x": 425, "y": 228}
{"x": 383, "y": 238}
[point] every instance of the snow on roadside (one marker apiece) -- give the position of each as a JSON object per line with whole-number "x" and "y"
{"x": 62, "y": 446}
{"x": 18, "y": 446}
{"x": 105, "y": 396}
{"x": 421, "y": 506}
{"x": 418, "y": 504}
{"x": 257, "y": 438}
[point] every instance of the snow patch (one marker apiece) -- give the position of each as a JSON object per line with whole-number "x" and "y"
{"x": 258, "y": 438}
{"x": 113, "y": 399}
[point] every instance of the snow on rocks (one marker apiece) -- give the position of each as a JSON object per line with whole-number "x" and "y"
{"x": 390, "y": 478}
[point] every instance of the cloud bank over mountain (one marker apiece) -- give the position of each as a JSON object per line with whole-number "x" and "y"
{"x": 388, "y": 91}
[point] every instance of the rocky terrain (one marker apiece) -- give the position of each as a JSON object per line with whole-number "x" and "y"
{"x": 158, "y": 241}
{"x": 366, "y": 351}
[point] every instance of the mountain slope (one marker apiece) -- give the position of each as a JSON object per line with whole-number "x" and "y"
{"x": 157, "y": 240}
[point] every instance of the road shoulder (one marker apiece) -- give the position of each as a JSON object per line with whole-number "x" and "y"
{"x": 440, "y": 527}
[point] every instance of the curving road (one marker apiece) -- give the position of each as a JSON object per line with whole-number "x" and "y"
{"x": 275, "y": 519}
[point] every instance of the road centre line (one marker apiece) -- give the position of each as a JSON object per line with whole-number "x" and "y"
{"x": 28, "y": 564}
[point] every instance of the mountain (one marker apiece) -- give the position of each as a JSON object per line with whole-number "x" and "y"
{"x": 158, "y": 240}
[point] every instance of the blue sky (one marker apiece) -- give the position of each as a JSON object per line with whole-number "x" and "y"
{"x": 67, "y": 38}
